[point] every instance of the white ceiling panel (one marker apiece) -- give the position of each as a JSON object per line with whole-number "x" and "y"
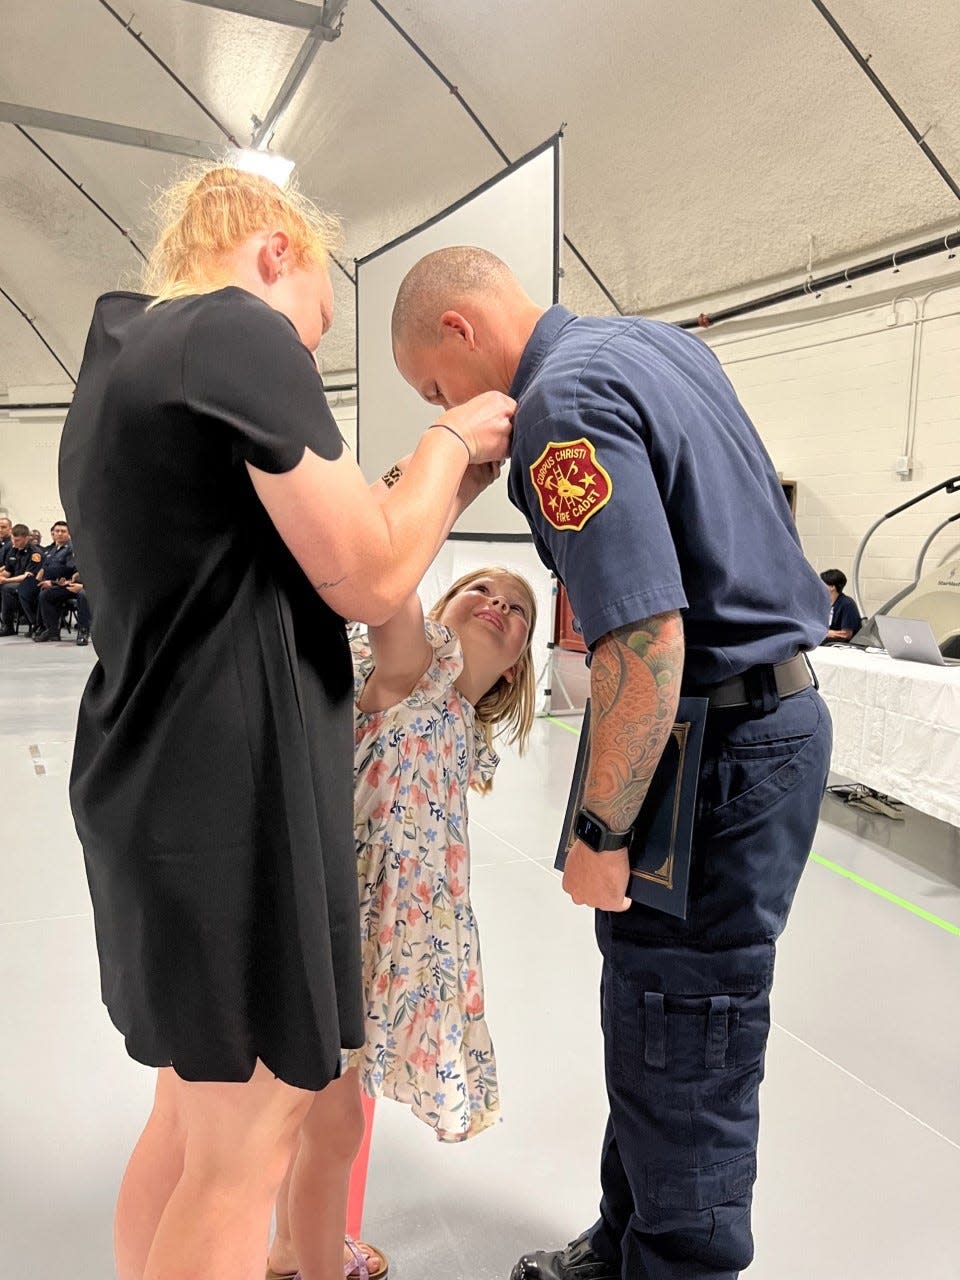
{"x": 709, "y": 148}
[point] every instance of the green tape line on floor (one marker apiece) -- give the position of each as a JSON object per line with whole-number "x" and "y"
{"x": 563, "y": 725}
{"x": 912, "y": 907}
{"x": 885, "y": 893}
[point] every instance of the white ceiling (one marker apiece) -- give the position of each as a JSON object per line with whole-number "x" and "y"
{"x": 705, "y": 143}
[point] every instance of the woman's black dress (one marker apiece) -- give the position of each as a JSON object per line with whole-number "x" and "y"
{"x": 212, "y": 781}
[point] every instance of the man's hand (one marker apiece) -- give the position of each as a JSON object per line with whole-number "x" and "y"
{"x": 597, "y": 879}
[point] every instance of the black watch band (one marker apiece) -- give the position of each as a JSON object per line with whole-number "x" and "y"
{"x": 595, "y": 833}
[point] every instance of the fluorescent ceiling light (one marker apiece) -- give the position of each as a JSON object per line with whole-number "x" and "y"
{"x": 269, "y": 165}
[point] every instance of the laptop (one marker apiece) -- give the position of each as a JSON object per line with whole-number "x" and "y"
{"x": 912, "y": 640}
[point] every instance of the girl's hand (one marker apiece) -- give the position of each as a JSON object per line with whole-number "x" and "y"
{"x": 477, "y": 477}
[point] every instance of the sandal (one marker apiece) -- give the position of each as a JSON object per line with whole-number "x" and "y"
{"x": 367, "y": 1263}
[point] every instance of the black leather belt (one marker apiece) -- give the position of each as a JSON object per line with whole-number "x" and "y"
{"x": 789, "y": 677}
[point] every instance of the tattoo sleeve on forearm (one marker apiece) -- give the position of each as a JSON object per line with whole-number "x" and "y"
{"x": 635, "y": 686}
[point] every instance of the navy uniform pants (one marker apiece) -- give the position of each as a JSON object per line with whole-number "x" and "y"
{"x": 9, "y": 596}
{"x": 685, "y": 1004}
{"x": 52, "y": 602}
{"x": 29, "y": 593}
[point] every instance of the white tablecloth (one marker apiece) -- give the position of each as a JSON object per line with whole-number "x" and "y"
{"x": 896, "y": 726}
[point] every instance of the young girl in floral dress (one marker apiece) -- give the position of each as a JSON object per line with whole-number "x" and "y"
{"x": 429, "y": 699}
{"x": 430, "y": 695}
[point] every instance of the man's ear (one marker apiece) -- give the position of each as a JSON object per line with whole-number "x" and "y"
{"x": 454, "y": 325}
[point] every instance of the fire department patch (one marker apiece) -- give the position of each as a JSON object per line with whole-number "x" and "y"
{"x": 570, "y": 483}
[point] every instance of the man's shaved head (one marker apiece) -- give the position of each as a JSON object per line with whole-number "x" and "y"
{"x": 460, "y": 325}
{"x": 444, "y": 280}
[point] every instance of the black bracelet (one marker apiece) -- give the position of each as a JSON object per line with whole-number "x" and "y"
{"x": 453, "y": 432}
{"x": 391, "y": 477}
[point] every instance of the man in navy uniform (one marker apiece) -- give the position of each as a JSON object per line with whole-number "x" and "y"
{"x": 649, "y": 493}
{"x": 844, "y": 614}
{"x": 6, "y": 542}
{"x": 57, "y": 567}
{"x": 22, "y": 562}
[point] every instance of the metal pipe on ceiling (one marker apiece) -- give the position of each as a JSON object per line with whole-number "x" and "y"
{"x": 889, "y": 262}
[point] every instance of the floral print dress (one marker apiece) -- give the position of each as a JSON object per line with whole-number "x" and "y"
{"x": 427, "y": 1041}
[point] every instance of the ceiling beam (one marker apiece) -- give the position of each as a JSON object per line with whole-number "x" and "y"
{"x": 105, "y": 131}
{"x": 326, "y": 29}
{"x": 289, "y": 13}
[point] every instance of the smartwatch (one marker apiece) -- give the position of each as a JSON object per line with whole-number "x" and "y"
{"x": 596, "y": 835}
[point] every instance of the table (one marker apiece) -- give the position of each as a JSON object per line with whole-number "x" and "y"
{"x": 896, "y": 726}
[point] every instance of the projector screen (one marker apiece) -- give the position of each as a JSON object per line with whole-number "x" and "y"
{"x": 516, "y": 215}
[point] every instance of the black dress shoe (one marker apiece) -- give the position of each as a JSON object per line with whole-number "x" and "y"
{"x": 576, "y": 1262}
{"x": 39, "y": 634}
{"x": 45, "y": 636}
{"x": 7, "y": 631}
{"x": 83, "y": 636}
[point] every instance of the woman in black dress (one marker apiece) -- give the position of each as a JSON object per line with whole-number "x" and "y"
{"x": 212, "y": 774}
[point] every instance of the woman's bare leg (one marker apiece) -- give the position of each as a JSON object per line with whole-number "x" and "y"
{"x": 329, "y": 1140}
{"x": 153, "y": 1172}
{"x": 239, "y": 1141}
{"x": 283, "y": 1255}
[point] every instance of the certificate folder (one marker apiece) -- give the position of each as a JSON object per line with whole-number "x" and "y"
{"x": 662, "y": 835}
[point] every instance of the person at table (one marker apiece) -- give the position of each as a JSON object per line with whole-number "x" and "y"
{"x": 844, "y": 614}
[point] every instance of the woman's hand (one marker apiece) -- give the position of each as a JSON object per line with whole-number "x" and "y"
{"x": 484, "y": 424}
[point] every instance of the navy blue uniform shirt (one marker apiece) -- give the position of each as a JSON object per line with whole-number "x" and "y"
{"x": 27, "y": 560}
{"x": 844, "y": 615}
{"x": 648, "y": 489}
{"x": 59, "y": 563}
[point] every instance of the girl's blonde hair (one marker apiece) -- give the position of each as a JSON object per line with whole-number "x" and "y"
{"x": 208, "y": 214}
{"x": 508, "y": 707}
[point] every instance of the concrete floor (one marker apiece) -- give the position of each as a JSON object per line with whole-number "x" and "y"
{"x": 860, "y": 1150}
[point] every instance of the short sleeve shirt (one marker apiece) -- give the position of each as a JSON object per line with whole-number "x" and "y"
{"x": 844, "y": 616}
{"x": 647, "y": 489}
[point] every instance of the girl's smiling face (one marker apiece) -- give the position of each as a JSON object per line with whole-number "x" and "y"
{"x": 491, "y": 615}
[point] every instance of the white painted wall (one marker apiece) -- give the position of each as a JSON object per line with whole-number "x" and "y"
{"x": 842, "y": 388}
{"x": 29, "y": 445}
{"x": 28, "y": 470}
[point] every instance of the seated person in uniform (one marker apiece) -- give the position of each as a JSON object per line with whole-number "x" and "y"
{"x": 6, "y": 542}
{"x": 57, "y": 568}
{"x": 23, "y": 560}
{"x": 844, "y": 614}
{"x": 53, "y": 600}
